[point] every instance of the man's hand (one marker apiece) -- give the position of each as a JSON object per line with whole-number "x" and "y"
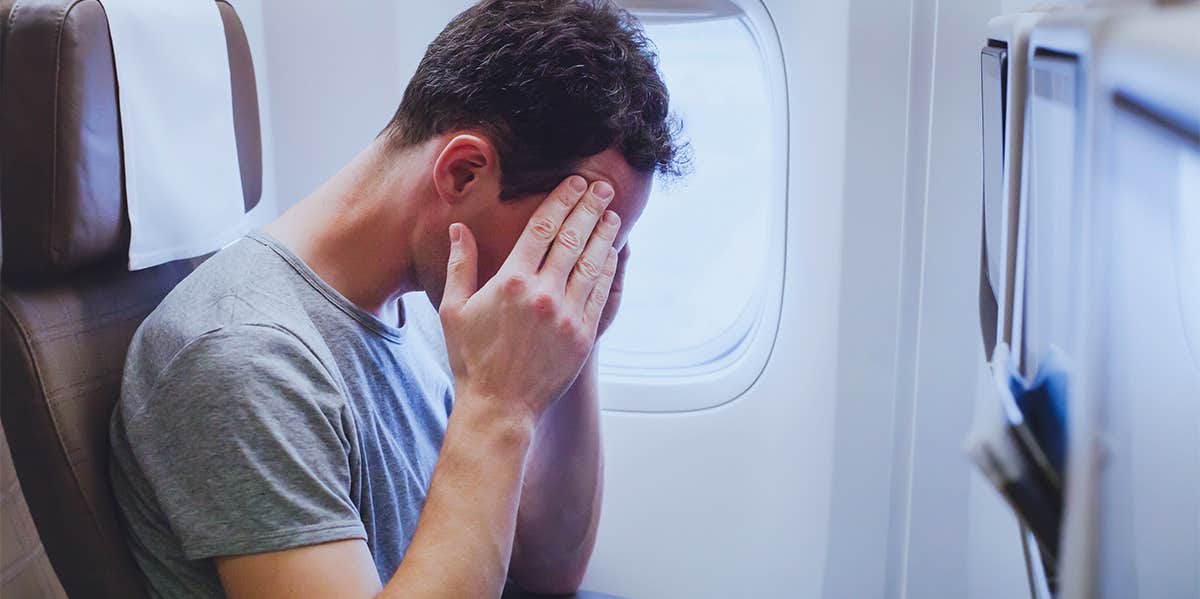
{"x": 524, "y": 336}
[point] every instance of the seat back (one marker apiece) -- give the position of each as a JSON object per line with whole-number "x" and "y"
{"x": 24, "y": 568}
{"x": 68, "y": 305}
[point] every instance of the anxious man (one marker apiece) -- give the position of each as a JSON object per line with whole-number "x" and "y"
{"x": 297, "y": 420}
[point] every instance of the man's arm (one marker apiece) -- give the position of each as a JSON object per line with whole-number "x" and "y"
{"x": 555, "y": 528}
{"x": 462, "y": 543}
{"x": 564, "y": 485}
{"x": 564, "y": 478}
{"x": 515, "y": 346}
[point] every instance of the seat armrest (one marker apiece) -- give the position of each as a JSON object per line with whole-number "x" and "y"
{"x": 511, "y": 593}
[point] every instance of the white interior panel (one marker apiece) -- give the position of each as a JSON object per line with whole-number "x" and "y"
{"x": 949, "y": 536}
{"x": 1149, "y": 386}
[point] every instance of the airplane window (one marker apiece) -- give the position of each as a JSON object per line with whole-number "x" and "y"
{"x": 695, "y": 283}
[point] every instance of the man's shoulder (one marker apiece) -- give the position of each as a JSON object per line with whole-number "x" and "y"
{"x": 244, "y": 282}
{"x": 238, "y": 367}
{"x": 240, "y": 296}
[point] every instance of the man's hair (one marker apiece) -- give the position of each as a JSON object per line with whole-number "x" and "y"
{"x": 550, "y": 82}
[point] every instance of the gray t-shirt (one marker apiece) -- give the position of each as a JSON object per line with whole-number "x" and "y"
{"x": 263, "y": 411}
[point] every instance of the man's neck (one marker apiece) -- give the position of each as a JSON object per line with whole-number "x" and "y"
{"x": 355, "y": 232}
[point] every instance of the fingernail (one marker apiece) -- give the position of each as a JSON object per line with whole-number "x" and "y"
{"x": 611, "y": 218}
{"x": 604, "y": 191}
{"x": 577, "y": 184}
{"x": 455, "y": 233}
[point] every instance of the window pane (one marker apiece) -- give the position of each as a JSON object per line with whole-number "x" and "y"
{"x": 695, "y": 283}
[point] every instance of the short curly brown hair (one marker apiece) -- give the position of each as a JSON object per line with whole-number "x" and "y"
{"x": 551, "y": 82}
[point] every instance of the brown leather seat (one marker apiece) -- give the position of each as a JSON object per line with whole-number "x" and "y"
{"x": 69, "y": 305}
{"x": 24, "y": 568}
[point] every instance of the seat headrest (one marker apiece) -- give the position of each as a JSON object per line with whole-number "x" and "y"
{"x": 62, "y": 199}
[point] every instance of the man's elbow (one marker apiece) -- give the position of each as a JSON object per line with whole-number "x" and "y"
{"x": 564, "y": 579}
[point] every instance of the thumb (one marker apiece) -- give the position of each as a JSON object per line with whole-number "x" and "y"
{"x": 462, "y": 268}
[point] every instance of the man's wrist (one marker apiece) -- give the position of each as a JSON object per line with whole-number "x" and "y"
{"x": 505, "y": 420}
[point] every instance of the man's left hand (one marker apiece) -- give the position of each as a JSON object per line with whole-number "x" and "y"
{"x": 614, "y": 295}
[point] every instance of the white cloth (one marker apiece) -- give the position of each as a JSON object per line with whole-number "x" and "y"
{"x": 182, "y": 179}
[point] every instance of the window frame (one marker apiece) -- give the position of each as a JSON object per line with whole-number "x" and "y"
{"x": 718, "y": 381}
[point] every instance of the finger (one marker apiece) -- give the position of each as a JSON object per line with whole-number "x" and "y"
{"x": 576, "y": 232}
{"x": 590, "y": 265}
{"x": 599, "y": 297}
{"x": 462, "y": 269}
{"x": 544, "y": 225}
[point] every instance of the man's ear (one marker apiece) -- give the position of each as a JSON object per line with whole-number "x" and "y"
{"x": 467, "y": 167}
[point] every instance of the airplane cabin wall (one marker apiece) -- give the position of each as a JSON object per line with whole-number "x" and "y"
{"x": 952, "y": 535}
{"x": 334, "y": 74}
{"x": 911, "y": 365}
{"x": 840, "y": 473}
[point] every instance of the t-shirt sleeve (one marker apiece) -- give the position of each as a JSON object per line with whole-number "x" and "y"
{"x": 245, "y": 443}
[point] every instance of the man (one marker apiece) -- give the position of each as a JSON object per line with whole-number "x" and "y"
{"x": 290, "y": 425}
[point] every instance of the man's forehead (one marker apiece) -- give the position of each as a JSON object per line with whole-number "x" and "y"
{"x": 632, "y": 187}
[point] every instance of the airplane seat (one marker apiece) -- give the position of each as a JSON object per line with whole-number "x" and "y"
{"x": 25, "y": 569}
{"x": 69, "y": 305}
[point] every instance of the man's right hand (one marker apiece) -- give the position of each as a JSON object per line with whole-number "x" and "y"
{"x": 522, "y": 339}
